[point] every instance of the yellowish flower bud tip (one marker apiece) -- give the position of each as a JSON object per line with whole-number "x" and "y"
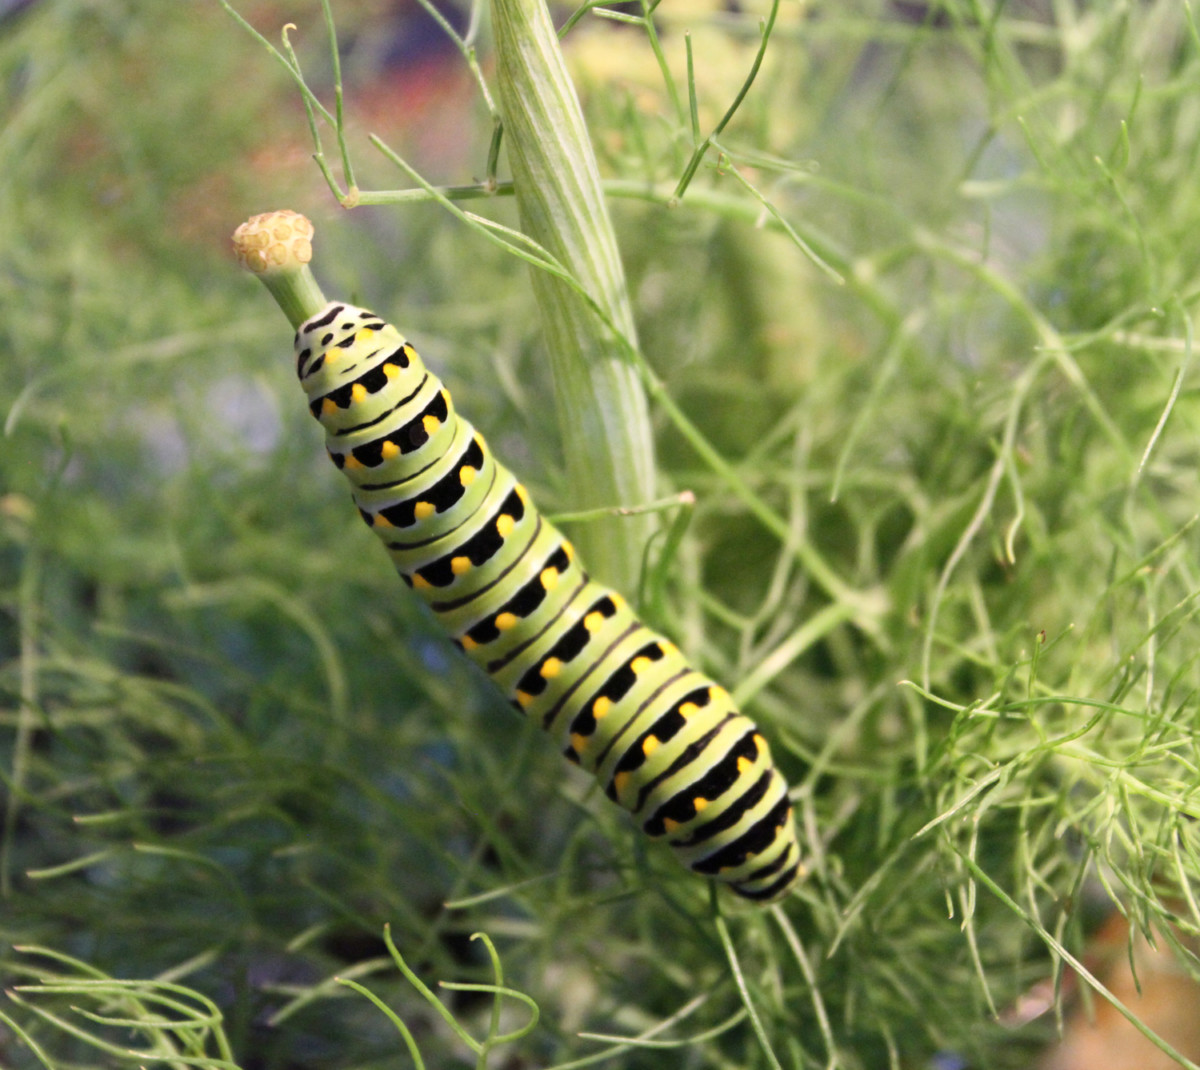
{"x": 274, "y": 242}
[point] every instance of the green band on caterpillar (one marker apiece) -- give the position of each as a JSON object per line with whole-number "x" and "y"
{"x": 663, "y": 740}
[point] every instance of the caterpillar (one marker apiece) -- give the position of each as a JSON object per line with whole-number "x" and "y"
{"x": 664, "y": 741}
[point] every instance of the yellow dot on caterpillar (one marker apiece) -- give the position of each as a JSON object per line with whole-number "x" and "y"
{"x": 466, "y": 475}
{"x": 431, "y": 424}
{"x": 688, "y": 709}
{"x": 389, "y": 449}
{"x": 718, "y": 694}
{"x": 649, "y": 745}
{"x": 468, "y": 643}
{"x": 745, "y": 765}
{"x": 524, "y": 699}
{"x": 618, "y": 601}
{"x": 593, "y": 622}
{"x": 761, "y": 744}
{"x": 505, "y": 621}
{"x": 522, "y": 493}
{"x": 381, "y": 521}
{"x": 619, "y": 782}
{"x": 700, "y": 803}
{"x": 331, "y": 355}
{"x": 352, "y": 461}
{"x": 419, "y": 582}
{"x": 579, "y": 742}
{"x": 358, "y": 392}
{"x": 640, "y": 665}
{"x": 328, "y": 407}
{"x": 390, "y": 370}
{"x": 505, "y": 525}
{"x": 551, "y": 667}
{"x": 669, "y": 824}
{"x": 568, "y": 549}
{"x": 669, "y": 650}
{"x": 460, "y": 565}
{"x": 549, "y": 578}
{"x": 424, "y": 510}
{"x": 601, "y": 707}
{"x": 410, "y": 352}
{"x": 363, "y": 334}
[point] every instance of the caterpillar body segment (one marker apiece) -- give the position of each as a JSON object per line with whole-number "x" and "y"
{"x": 663, "y": 740}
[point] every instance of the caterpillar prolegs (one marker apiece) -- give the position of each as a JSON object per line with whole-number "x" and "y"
{"x": 663, "y": 740}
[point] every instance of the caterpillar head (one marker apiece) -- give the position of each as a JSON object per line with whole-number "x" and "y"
{"x": 353, "y": 366}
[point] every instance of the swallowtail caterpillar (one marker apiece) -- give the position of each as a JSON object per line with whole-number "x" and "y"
{"x": 663, "y": 739}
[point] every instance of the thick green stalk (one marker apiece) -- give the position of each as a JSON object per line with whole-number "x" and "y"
{"x": 602, "y": 412}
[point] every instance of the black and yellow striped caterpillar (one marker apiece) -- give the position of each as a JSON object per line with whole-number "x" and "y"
{"x": 621, "y": 701}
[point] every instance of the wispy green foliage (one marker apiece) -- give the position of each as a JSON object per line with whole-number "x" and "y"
{"x": 918, "y": 337}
